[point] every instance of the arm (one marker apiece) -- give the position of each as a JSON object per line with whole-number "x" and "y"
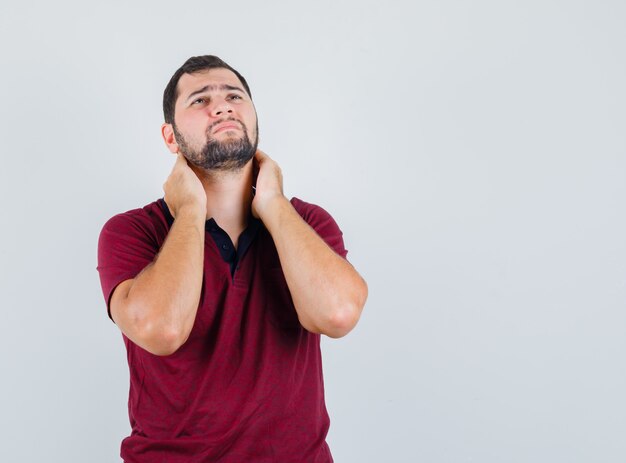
{"x": 327, "y": 291}
{"x": 157, "y": 309}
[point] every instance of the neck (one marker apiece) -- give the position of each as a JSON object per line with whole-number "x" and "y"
{"x": 229, "y": 196}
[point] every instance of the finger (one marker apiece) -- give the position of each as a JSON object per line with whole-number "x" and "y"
{"x": 260, "y": 156}
{"x": 255, "y": 171}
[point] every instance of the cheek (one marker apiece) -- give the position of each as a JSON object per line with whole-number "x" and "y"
{"x": 193, "y": 128}
{"x": 251, "y": 124}
{"x": 252, "y": 133}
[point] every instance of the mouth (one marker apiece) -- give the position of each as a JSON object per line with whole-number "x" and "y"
{"x": 229, "y": 125}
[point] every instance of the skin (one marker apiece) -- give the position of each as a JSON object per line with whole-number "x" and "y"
{"x": 157, "y": 309}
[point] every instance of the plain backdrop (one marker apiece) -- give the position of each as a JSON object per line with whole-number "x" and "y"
{"x": 473, "y": 153}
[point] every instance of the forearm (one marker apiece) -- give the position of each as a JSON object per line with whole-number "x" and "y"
{"x": 164, "y": 297}
{"x": 327, "y": 291}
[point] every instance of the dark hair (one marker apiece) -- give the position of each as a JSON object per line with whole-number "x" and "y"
{"x": 193, "y": 64}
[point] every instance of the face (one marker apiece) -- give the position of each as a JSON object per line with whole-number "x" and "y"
{"x": 215, "y": 121}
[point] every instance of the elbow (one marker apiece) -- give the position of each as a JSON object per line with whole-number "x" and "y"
{"x": 345, "y": 317}
{"x": 159, "y": 339}
{"x": 149, "y": 325}
{"x": 164, "y": 344}
{"x": 341, "y": 322}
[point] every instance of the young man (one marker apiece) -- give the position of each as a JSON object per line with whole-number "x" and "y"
{"x": 222, "y": 289}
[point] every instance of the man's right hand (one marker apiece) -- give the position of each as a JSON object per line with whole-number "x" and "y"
{"x": 183, "y": 189}
{"x": 157, "y": 309}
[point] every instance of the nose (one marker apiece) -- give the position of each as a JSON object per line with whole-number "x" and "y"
{"x": 221, "y": 108}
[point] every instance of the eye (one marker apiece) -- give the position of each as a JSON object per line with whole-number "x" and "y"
{"x": 234, "y": 97}
{"x": 198, "y": 101}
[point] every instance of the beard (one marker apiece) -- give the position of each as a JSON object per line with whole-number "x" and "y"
{"x": 225, "y": 156}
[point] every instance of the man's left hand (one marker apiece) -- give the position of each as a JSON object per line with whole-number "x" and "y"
{"x": 327, "y": 292}
{"x": 269, "y": 184}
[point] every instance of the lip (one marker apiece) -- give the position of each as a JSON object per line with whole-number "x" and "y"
{"x": 226, "y": 126}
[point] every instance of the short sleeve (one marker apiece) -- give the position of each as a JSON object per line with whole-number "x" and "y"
{"x": 323, "y": 224}
{"x": 127, "y": 244}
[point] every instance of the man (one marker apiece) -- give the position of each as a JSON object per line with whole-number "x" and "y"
{"x": 222, "y": 289}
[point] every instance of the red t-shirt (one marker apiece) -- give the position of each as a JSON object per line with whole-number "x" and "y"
{"x": 247, "y": 385}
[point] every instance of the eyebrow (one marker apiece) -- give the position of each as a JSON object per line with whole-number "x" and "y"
{"x": 213, "y": 88}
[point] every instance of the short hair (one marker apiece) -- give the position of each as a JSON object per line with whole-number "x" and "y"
{"x": 192, "y": 65}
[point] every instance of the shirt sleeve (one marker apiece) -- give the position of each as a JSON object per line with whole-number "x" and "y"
{"x": 323, "y": 224}
{"x": 125, "y": 247}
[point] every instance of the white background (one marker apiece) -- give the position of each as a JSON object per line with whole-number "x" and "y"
{"x": 473, "y": 153}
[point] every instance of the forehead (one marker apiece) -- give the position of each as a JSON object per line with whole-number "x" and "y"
{"x": 189, "y": 83}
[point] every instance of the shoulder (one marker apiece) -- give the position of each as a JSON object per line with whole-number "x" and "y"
{"x": 148, "y": 220}
{"x": 323, "y": 224}
{"x": 310, "y": 212}
{"x": 149, "y": 215}
{"x": 128, "y": 243}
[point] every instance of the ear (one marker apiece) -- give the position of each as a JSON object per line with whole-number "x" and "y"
{"x": 167, "y": 132}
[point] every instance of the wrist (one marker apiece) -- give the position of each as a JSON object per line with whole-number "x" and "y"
{"x": 272, "y": 209}
{"x": 192, "y": 212}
